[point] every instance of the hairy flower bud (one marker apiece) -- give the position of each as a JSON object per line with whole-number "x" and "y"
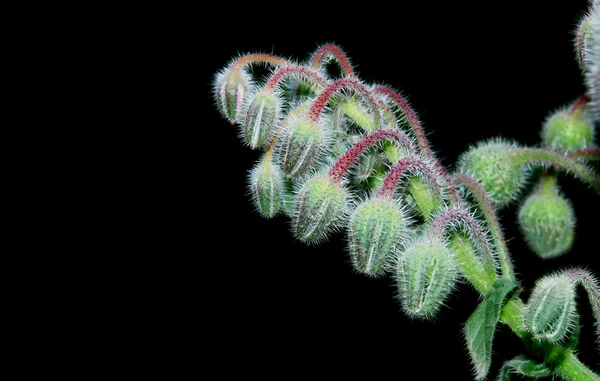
{"x": 547, "y": 221}
{"x": 266, "y": 187}
{"x": 584, "y": 38}
{"x": 490, "y": 163}
{"x": 302, "y": 144}
{"x": 566, "y": 131}
{"x": 426, "y": 274}
{"x": 261, "y": 116}
{"x": 231, "y": 86}
{"x": 375, "y": 230}
{"x": 319, "y": 208}
{"x": 550, "y": 312}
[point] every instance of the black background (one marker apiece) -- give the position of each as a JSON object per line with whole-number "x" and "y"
{"x": 270, "y": 305}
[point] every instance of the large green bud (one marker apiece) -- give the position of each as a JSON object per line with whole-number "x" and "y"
{"x": 318, "y": 209}
{"x": 376, "y": 228}
{"x": 565, "y": 131}
{"x": 550, "y": 312}
{"x": 426, "y": 274}
{"x": 230, "y": 90}
{"x": 267, "y": 187}
{"x": 262, "y": 115}
{"x": 547, "y": 221}
{"x": 491, "y": 164}
{"x": 302, "y": 143}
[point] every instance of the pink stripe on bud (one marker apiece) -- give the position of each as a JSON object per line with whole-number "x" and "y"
{"x": 343, "y": 163}
{"x": 413, "y": 164}
{"x": 302, "y": 71}
{"x": 330, "y": 49}
{"x": 418, "y": 131}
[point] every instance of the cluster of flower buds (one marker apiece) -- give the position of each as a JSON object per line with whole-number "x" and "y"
{"x": 339, "y": 154}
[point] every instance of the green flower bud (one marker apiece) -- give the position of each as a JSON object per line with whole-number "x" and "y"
{"x": 426, "y": 274}
{"x": 261, "y": 117}
{"x": 375, "y": 230}
{"x": 547, "y": 221}
{"x": 302, "y": 144}
{"x": 231, "y": 87}
{"x": 318, "y": 210}
{"x": 566, "y": 131}
{"x": 266, "y": 187}
{"x": 490, "y": 163}
{"x": 550, "y": 312}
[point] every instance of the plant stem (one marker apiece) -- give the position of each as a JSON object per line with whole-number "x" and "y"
{"x": 525, "y": 156}
{"x": 570, "y": 368}
{"x": 493, "y": 225}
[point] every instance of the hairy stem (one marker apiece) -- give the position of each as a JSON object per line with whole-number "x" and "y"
{"x": 586, "y": 153}
{"x": 524, "y": 156}
{"x": 489, "y": 213}
{"x": 417, "y": 130}
{"x": 316, "y": 60}
{"x": 307, "y": 74}
{"x": 334, "y": 88}
{"x": 259, "y": 58}
{"x": 343, "y": 163}
{"x": 416, "y": 166}
{"x": 452, "y": 217}
{"x": 579, "y": 104}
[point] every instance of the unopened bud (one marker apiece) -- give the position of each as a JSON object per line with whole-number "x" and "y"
{"x": 266, "y": 187}
{"x": 550, "y": 312}
{"x": 490, "y": 163}
{"x": 319, "y": 208}
{"x": 302, "y": 144}
{"x": 375, "y": 230}
{"x": 261, "y": 116}
{"x": 565, "y": 131}
{"x": 426, "y": 274}
{"x": 547, "y": 221}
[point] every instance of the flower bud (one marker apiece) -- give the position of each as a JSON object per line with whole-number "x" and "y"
{"x": 266, "y": 187}
{"x": 547, "y": 221}
{"x": 375, "y": 230}
{"x": 584, "y": 38}
{"x": 550, "y": 312}
{"x": 426, "y": 274}
{"x": 490, "y": 163}
{"x": 302, "y": 144}
{"x": 566, "y": 131}
{"x": 318, "y": 209}
{"x": 231, "y": 86}
{"x": 261, "y": 116}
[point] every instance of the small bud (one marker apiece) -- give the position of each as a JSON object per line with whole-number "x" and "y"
{"x": 566, "y": 131}
{"x": 261, "y": 116}
{"x": 266, "y": 187}
{"x": 319, "y": 208}
{"x": 550, "y": 312}
{"x": 231, "y": 86}
{"x": 375, "y": 230}
{"x": 302, "y": 144}
{"x": 584, "y": 39}
{"x": 547, "y": 221}
{"x": 426, "y": 274}
{"x": 490, "y": 163}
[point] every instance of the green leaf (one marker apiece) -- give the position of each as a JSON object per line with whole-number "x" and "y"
{"x": 481, "y": 325}
{"x": 523, "y": 366}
